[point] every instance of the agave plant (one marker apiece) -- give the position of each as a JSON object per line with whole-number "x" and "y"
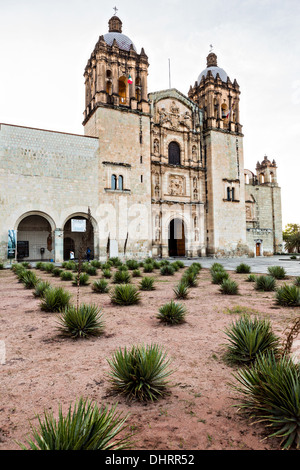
{"x": 1, "y": 266}
{"x": 180, "y": 264}
{"x": 26, "y": 265}
{"x": 125, "y": 294}
{"x": 82, "y": 279}
{"x": 91, "y": 270}
{"x": 167, "y": 270}
{"x": 107, "y": 265}
{"x": 136, "y": 273}
{"x": 218, "y": 276}
{"x": 66, "y": 276}
{"x": 181, "y": 291}
{"x": 190, "y": 278}
{"x": 107, "y": 273}
{"x": 48, "y": 267}
{"x": 69, "y": 265}
{"x": 100, "y": 286}
{"x": 297, "y": 281}
{"x": 216, "y": 267}
{"x": 251, "y": 278}
{"x": 288, "y": 296}
{"x": 29, "y": 279}
{"x": 270, "y": 388}
{"x": 277, "y": 271}
{"x": 55, "y": 299}
{"x": 122, "y": 277}
{"x": 40, "y": 288}
{"x": 248, "y": 337}
{"x": 132, "y": 264}
{"x": 229, "y": 287}
{"x": 147, "y": 283}
{"x": 195, "y": 267}
{"x": 243, "y": 269}
{"x": 56, "y": 272}
{"x": 156, "y": 264}
{"x": 115, "y": 261}
{"x": 96, "y": 263}
{"x": 123, "y": 267}
{"x": 172, "y": 313}
{"x": 85, "y": 427}
{"x": 140, "y": 372}
{"x": 148, "y": 267}
{"x": 265, "y": 283}
{"x": 39, "y": 265}
{"x": 81, "y": 322}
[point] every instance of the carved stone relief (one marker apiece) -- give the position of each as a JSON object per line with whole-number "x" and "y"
{"x": 173, "y": 118}
{"x": 176, "y": 185}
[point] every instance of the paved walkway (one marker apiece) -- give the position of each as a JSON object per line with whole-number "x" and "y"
{"x": 258, "y": 265}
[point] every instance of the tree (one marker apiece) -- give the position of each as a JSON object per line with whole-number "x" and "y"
{"x": 291, "y": 236}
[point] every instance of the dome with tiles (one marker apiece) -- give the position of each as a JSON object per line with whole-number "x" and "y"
{"x": 115, "y": 33}
{"x": 212, "y": 67}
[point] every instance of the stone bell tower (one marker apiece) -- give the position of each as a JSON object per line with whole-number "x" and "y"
{"x": 219, "y": 98}
{"x": 115, "y": 74}
{"x": 117, "y": 111}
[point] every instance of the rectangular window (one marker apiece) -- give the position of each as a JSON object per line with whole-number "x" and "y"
{"x": 141, "y": 159}
{"x": 141, "y": 178}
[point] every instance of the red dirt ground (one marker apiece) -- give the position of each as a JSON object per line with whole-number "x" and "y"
{"x": 43, "y": 370}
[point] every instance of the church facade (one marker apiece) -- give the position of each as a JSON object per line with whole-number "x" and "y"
{"x": 161, "y": 173}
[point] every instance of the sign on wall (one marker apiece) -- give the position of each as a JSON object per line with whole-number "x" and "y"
{"x": 12, "y": 242}
{"x": 78, "y": 225}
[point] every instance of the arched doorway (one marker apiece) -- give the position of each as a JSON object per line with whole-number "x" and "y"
{"x": 75, "y": 230}
{"x": 35, "y": 239}
{"x": 176, "y": 238}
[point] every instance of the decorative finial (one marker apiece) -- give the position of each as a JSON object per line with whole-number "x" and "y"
{"x": 211, "y": 48}
{"x": 116, "y": 9}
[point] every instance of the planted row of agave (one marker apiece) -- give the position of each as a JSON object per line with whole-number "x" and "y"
{"x": 286, "y": 295}
{"x": 140, "y": 372}
{"x": 261, "y": 383}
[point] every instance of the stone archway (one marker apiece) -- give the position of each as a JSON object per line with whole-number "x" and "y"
{"x": 35, "y": 240}
{"x": 73, "y": 236}
{"x": 176, "y": 238}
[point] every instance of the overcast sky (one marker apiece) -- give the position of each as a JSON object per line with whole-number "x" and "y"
{"x": 45, "y": 46}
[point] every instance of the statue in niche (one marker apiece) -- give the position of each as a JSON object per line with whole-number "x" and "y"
{"x": 157, "y": 235}
{"x": 196, "y": 235}
{"x": 194, "y": 152}
{"x": 195, "y": 194}
{"x": 156, "y": 146}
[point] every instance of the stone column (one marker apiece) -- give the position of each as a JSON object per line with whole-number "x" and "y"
{"x": 58, "y": 245}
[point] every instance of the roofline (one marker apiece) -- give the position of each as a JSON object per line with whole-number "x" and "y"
{"x": 47, "y": 130}
{"x": 177, "y": 91}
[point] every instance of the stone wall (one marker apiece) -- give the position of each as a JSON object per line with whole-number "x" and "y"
{"x": 264, "y": 225}
{"x": 45, "y": 173}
